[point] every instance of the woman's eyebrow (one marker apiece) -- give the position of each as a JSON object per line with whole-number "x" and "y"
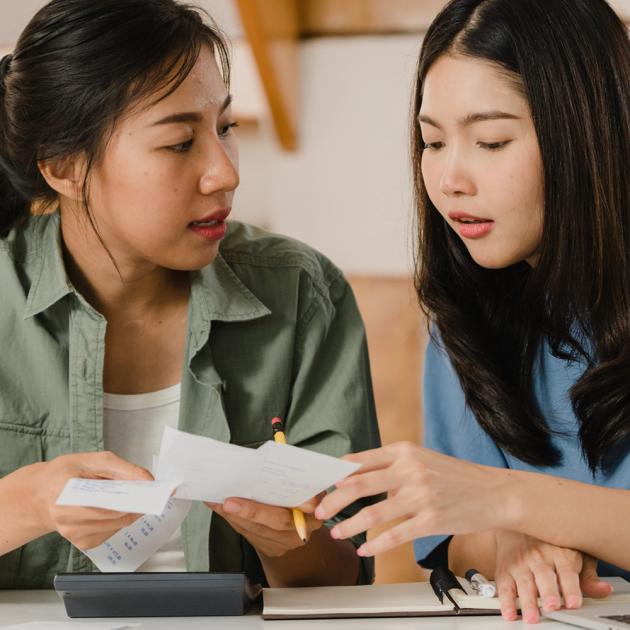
{"x": 483, "y": 116}
{"x": 184, "y": 117}
{"x": 470, "y": 119}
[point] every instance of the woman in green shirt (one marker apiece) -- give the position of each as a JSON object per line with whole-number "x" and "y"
{"x": 115, "y": 116}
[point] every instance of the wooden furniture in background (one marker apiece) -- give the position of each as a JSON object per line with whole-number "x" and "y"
{"x": 366, "y": 17}
{"x": 380, "y": 17}
{"x": 272, "y": 29}
{"x": 396, "y": 333}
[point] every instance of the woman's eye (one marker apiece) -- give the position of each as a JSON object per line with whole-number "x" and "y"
{"x": 182, "y": 147}
{"x": 493, "y": 146}
{"x": 433, "y": 146}
{"x": 224, "y": 131}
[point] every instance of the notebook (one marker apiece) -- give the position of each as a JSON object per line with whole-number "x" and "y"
{"x": 390, "y": 600}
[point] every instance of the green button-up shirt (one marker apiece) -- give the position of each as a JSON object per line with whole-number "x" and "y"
{"x": 273, "y": 329}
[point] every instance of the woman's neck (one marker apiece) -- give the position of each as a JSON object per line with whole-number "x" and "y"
{"x": 114, "y": 282}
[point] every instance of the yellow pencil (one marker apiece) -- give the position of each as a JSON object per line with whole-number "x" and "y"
{"x": 298, "y": 516}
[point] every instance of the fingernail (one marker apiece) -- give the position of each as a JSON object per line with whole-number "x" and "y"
{"x": 530, "y": 616}
{"x": 573, "y": 601}
{"x": 319, "y": 513}
{"x": 509, "y": 615}
{"x": 231, "y": 507}
{"x": 335, "y": 533}
{"x": 362, "y": 551}
{"x": 551, "y": 603}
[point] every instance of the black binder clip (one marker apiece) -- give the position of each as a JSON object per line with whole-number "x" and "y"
{"x": 442, "y": 581}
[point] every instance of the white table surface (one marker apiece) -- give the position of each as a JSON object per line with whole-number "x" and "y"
{"x": 23, "y": 606}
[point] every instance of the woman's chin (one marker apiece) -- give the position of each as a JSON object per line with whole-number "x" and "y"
{"x": 494, "y": 260}
{"x": 190, "y": 261}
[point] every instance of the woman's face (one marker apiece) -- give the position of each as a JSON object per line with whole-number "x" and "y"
{"x": 164, "y": 187}
{"x": 481, "y": 162}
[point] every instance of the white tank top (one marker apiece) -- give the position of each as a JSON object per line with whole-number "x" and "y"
{"x": 132, "y": 429}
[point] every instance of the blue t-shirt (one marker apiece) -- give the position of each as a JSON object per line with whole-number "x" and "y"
{"x": 451, "y": 428}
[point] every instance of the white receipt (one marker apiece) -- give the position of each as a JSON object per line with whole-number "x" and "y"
{"x": 140, "y": 497}
{"x": 204, "y": 469}
{"x": 276, "y": 474}
{"x": 128, "y": 548}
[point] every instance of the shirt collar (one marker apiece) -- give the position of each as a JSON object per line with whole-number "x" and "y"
{"x": 221, "y": 295}
{"x": 216, "y": 291}
{"x": 50, "y": 281}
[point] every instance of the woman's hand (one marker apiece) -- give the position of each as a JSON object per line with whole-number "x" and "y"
{"x": 84, "y": 527}
{"x": 531, "y": 569}
{"x": 434, "y": 493}
{"x": 270, "y": 530}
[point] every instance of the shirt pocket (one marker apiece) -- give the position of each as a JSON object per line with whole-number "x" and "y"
{"x": 20, "y": 445}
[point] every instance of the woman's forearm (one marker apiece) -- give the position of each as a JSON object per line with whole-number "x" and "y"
{"x": 18, "y": 524}
{"x": 323, "y": 561}
{"x": 566, "y": 513}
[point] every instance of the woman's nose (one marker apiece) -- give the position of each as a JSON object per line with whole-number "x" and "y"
{"x": 221, "y": 173}
{"x": 456, "y": 179}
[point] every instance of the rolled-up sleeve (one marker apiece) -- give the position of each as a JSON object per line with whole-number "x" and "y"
{"x": 450, "y": 428}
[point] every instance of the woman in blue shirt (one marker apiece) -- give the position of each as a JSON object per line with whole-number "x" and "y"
{"x": 521, "y": 145}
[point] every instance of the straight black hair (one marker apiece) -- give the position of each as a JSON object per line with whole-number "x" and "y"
{"x": 77, "y": 67}
{"x": 571, "y": 61}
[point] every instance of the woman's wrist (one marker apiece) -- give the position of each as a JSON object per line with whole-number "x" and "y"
{"x": 27, "y": 485}
{"x": 510, "y": 501}
{"x": 20, "y": 521}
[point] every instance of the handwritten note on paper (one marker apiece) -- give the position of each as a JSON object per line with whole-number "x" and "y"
{"x": 141, "y": 497}
{"x": 277, "y": 474}
{"x": 289, "y": 476}
{"x": 130, "y": 547}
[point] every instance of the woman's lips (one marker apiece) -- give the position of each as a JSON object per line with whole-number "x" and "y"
{"x": 471, "y": 226}
{"x": 211, "y": 227}
{"x": 211, "y": 232}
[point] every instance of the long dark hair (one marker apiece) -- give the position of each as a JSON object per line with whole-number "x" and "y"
{"x": 572, "y": 60}
{"x": 77, "y": 67}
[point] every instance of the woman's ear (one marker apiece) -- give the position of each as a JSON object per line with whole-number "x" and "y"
{"x": 65, "y": 175}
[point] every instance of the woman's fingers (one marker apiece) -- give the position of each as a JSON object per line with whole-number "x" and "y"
{"x": 506, "y": 591}
{"x": 69, "y": 514}
{"x": 372, "y": 459}
{"x": 547, "y": 585}
{"x": 108, "y": 465}
{"x": 372, "y": 516}
{"x": 268, "y": 541}
{"x": 385, "y": 456}
{"x": 569, "y": 582}
{"x": 308, "y": 507}
{"x": 590, "y": 584}
{"x": 389, "y": 539}
{"x": 277, "y": 518}
{"x": 354, "y": 488}
{"x": 528, "y": 596}
{"x": 89, "y": 534}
